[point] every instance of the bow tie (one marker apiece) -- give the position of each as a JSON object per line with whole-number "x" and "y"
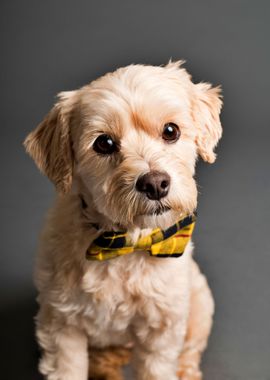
{"x": 159, "y": 243}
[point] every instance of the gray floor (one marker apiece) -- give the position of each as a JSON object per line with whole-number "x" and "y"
{"x": 52, "y": 46}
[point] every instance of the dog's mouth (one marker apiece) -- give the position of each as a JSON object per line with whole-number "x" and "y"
{"x": 158, "y": 210}
{"x": 161, "y": 209}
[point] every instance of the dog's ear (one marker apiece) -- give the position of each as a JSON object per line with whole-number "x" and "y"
{"x": 206, "y": 109}
{"x": 49, "y": 144}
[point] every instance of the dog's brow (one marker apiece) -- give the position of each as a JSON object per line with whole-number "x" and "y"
{"x": 152, "y": 124}
{"x": 140, "y": 121}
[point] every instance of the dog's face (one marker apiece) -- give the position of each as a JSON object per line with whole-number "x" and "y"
{"x": 132, "y": 137}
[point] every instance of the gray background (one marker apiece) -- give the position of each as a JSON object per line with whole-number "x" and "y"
{"x": 50, "y": 46}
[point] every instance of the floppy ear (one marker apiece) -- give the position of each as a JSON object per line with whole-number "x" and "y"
{"x": 206, "y": 110}
{"x": 49, "y": 144}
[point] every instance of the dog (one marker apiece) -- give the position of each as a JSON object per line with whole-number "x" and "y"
{"x": 121, "y": 152}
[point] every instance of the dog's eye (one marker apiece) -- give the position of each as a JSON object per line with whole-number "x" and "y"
{"x": 171, "y": 132}
{"x": 104, "y": 144}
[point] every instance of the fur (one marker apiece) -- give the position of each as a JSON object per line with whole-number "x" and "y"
{"x": 162, "y": 308}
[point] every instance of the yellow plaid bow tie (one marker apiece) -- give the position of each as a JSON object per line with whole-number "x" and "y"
{"x": 160, "y": 243}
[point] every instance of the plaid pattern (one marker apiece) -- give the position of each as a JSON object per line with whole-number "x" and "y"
{"x": 160, "y": 243}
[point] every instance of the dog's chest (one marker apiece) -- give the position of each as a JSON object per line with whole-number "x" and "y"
{"x": 129, "y": 288}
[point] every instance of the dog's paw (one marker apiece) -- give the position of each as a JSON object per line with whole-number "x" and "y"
{"x": 189, "y": 373}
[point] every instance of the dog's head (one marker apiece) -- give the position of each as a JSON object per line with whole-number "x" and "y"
{"x": 132, "y": 137}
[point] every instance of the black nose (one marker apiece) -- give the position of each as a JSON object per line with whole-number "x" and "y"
{"x": 154, "y": 184}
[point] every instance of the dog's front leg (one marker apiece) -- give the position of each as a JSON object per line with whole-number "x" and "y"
{"x": 65, "y": 355}
{"x": 156, "y": 352}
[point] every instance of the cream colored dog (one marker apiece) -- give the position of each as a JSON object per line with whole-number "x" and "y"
{"x": 95, "y": 145}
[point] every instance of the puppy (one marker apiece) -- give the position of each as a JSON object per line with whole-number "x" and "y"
{"x": 121, "y": 152}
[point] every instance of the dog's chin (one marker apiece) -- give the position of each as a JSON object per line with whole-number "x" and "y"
{"x": 157, "y": 218}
